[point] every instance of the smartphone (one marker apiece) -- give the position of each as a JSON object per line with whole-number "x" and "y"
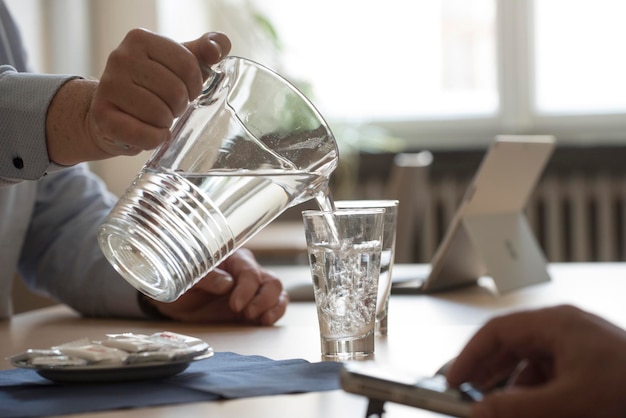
{"x": 382, "y": 383}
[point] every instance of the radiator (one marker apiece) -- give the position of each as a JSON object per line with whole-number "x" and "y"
{"x": 575, "y": 216}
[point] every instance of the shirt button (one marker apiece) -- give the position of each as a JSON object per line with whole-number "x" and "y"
{"x": 18, "y": 163}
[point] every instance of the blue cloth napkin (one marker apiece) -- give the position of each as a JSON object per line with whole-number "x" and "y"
{"x": 23, "y": 393}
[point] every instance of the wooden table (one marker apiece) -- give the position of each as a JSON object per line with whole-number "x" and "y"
{"x": 424, "y": 332}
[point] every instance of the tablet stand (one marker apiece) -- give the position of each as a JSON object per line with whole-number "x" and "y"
{"x": 510, "y": 254}
{"x": 500, "y": 246}
{"x": 375, "y": 408}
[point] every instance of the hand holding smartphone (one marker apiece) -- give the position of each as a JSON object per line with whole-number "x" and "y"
{"x": 381, "y": 383}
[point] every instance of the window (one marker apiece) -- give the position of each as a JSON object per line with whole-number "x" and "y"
{"x": 579, "y": 61}
{"x": 439, "y": 72}
{"x": 373, "y": 60}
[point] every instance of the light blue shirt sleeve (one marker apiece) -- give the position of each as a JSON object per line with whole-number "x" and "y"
{"x": 24, "y": 99}
{"x": 61, "y": 256}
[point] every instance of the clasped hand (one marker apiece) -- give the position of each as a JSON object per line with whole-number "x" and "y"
{"x": 239, "y": 290}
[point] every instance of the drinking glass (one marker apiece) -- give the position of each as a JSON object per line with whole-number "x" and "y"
{"x": 250, "y": 146}
{"x": 387, "y": 255}
{"x": 344, "y": 248}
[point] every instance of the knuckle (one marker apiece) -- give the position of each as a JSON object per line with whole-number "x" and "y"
{"x": 137, "y": 35}
{"x": 568, "y": 316}
{"x": 179, "y": 100}
{"x": 163, "y": 120}
{"x": 118, "y": 58}
{"x": 274, "y": 283}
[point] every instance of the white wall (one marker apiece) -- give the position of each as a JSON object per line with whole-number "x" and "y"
{"x": 67, "y": 42}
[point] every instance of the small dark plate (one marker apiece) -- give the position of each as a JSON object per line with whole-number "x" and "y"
{"x": 105, "y": 374}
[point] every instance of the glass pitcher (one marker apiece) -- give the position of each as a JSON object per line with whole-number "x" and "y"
{"x": 249, "y": 147}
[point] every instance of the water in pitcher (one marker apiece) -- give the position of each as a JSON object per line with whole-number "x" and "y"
{"x": 176, "y": 225}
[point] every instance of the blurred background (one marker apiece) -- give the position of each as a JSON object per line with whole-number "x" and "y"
{"x": 404, "y": 77}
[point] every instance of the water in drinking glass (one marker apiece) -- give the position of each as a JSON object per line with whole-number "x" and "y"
{"x": 344, "y": 248}
{"x": 345, "y": 285}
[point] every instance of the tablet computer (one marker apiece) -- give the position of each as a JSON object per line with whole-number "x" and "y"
{"x": 489, "y": 235}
